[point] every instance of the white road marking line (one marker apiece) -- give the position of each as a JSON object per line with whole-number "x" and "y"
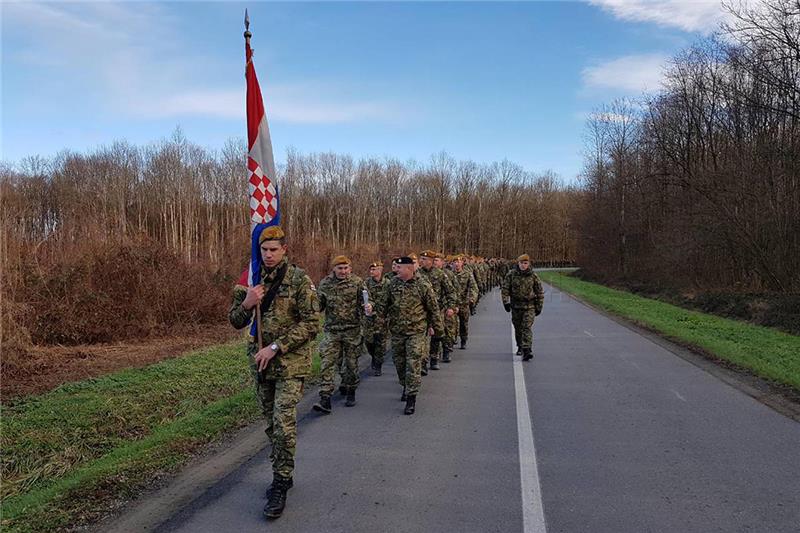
{"x": 588, "y": 333}
{"x": 532, "y": 509}
{"x": 678, "y": 394}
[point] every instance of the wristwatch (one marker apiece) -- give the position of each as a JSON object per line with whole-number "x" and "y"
{"x": 275, "y": 347}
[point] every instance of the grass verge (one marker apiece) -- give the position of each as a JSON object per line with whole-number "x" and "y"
{"x": 768, "y": 353}
{"x": 70, "y": 455}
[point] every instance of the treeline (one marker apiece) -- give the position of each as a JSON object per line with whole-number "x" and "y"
{"x": 127, "y": 239}
{"x": 699, "y": 185}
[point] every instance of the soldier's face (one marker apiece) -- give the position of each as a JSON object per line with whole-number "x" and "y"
{"x": 342, "y": 271}
{"x": 438, "y": 263}
{"x": 458, "y": 265}
{"x": 405, "y": 272}
{"x": 426, "y": 262}
{"x": 272, "y": 252}
{"x": 394, "y": 267}
{"x": 375, "y": 272}
{"x": 524, "y": 265}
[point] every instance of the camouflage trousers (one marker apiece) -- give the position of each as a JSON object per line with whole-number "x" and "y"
{"x": 439, "y": 344}
{"x": 451, "y": 331}
{"x": 434, "y": 349}
{"x": 376, "y": 346}
{"x": 278, "y": 399}
{"x": 339, "y": 350}
{"x": 407, "y": 354}
{"x": 523, "y": 327}
{"x": 463, "y": 322}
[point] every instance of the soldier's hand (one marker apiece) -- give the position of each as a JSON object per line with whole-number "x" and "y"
{"x": 254, "y": 296}
{"x": 263, "y": 357}
{"x": 430, "y": 332}
{"x": 538, "y": 312}
{"x": 450, "y": 312}
{"x": 508, "y": 308}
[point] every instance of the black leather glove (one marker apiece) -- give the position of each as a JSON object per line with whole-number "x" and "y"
{"x": 538, "y": 312}
{"x": 507, "y": 307}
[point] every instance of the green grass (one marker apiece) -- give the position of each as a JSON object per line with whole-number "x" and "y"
{"x": 69, "y": 452}
{"x": 768, "y": 353}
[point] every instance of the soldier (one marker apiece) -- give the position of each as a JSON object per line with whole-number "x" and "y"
{"x": 445, "y": 297}
{"x": 467, "y": 295}
{"x": 392, "y": 273}
{"x": 451, "y": 313}
{"x": 341, "y": 299}
{"x": 412, "y": 312}
{"x": 523, "y": 297}
{"x": 469, "y": 266}
{"x": 422, "y": 279}
{"x": 375, "y": 326}
{"x": 288, "y": 323}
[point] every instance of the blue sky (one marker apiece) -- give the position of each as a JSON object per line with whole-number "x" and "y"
{"x": 481, "y": 80}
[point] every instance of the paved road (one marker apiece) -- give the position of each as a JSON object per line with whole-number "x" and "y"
{"x": 627, "y": 437}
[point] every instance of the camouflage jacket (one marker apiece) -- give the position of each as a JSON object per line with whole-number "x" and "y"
{"x": 291, "y": 321}
{"x": 523, "y": 290}
{"x": 452, "y": 282}
{"x": 342, "y": 302}
{"x": 410, "y": 307}
{"x": 442, "y": 288}
{"x": 377, "y": 295}
{"x": 467, "y": 288}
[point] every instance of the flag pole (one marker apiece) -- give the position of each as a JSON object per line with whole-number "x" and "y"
{"x": 247, "y": 36}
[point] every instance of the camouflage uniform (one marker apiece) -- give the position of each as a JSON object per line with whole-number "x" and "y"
{"x": 374, "y": 325}
{"x": 292, "y": 323}
{"x": 410, "y": 308}
{"x": 523, "y": 291}
{"x": 341, "y": 301}
{"x": 451, "y": 323}
{"x": 445, "y": 297}
{"x": 471, "y": 268}
{"x": 467, "y": 295}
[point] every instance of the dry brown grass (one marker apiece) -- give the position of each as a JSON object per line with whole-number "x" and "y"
{"x": 43, "y": 368}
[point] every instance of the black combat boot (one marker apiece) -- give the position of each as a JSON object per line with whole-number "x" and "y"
{"x": 434, "y": 363}
{"x": 403, "y": 397}
{"x": 351, "y": 397}
{"x": 289, "y": 485}
{"x": 323, "y": 405}
{"x": 411, "y": 404}
{"x": 527, "y": 354}
{"x": 519, "y": 351}
{"x": 376, "y": 371}
{"x": 446, "y": 356}
{"x": 424, "y": 369}
{"x": 276, "y": 501}
{"x": 463, "y": 343}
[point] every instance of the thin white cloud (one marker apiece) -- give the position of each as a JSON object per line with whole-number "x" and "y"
{"x": 293, "y": 104}
{"x": 130, "y": 56}
{"x": 688, "y": 15}
{"x": 631, "y": 74}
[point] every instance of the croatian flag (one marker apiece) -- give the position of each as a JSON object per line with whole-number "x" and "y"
{"x": 264, "y": 206}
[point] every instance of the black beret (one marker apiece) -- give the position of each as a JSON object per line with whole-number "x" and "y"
{"x": 405, "y": 260}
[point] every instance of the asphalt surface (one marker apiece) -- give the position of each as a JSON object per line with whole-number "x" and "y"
{"x": 628, "y": 438}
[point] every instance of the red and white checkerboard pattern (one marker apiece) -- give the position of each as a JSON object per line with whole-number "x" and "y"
{"x": 263, "y": 196}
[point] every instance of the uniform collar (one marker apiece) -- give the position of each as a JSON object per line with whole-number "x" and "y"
{"x": 268, "y": 274}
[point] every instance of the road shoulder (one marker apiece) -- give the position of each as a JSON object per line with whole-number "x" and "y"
{"x": 777, "y": 398}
